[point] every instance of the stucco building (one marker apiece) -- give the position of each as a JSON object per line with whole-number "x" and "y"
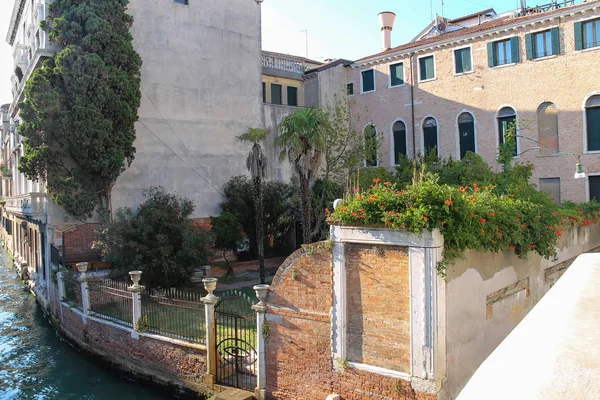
{"x": 459, "y": 84}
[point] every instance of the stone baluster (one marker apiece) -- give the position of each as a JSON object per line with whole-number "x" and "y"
{"x": 136, "y": 297}
{"x": 210, "y": 301}
{"x": 60, "y": 283}
{"x": 85, "y": 293}
{"x": 262, "y": 292}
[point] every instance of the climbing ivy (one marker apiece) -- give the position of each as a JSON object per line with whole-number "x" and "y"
{"x": 81, "y": 106}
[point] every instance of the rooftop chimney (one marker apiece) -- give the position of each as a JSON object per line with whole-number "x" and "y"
{"x": 386, "y": 22}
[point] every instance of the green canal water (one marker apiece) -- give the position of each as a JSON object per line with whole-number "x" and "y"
{"x": 36, "y": 364}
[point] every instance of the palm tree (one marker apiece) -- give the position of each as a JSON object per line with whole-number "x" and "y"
{"x": 257, "y": 165}
{"x": 302, "y": 139}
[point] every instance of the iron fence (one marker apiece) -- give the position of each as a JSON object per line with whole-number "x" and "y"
{"x": 72, "y": 290}
{"x": 110, "y": 300}
{"x": 175, "y": 313}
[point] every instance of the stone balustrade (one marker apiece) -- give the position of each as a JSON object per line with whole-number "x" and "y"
{"x": 281, "y": 63}
{"x": 30, "y": 205}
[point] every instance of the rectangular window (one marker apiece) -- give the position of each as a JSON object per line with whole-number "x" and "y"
{"x": 350, "y": 89}
{"x": 587, "y": 34}
{"x": 503, "y": 52}
{"x": 542, "y": 44}
{"x": 593, "y": 128}
{"x": 462, "y": 60}
{"x": 426, "y": 68}
{"x": 397, "y": 74}
{"x": 275, "y": 94}
{"x": 292, "y": 96}
{"x": 181, "y": 2}
{"x": 551, "y": 186}
{"x": 594, "y": 183}
{"x": 264, "y": 90}
{"x": 368, "y": 80}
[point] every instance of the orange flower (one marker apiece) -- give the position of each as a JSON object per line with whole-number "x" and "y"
{"x": 499, "y": 234}
{"x": 387, "y": 183}
{"x": 424, "y": 218}
{"x": 471, "y": 215}
{"x": 511, "y": 247}
{"x": 517, "y": 219}
{"x": 376, "y": 180}
{"x": 482, "y": 220}
{"x": 492, "y": 214}
{"x": 532, "y": 246}
{"x": 463, "y": 189}
{"x": 355, "y": 190}
{"x": 449, "y": 202}
{"x": 586, "y": 222}
{"x": 554, "y": 213}
{"x": 361, "y": 197}
{"x": 382, "y": 207}
{"x": 523, "y": 225}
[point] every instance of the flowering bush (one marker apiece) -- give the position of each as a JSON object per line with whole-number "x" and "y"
{"x": 469, "y": 217}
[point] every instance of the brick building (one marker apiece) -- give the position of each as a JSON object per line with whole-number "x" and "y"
{"x": 459, "y": 84}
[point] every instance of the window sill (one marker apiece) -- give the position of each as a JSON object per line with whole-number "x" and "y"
{"x": 428, "y": 80}
{"x": 464, "y": 73}
{"x": 592, "y": 152}
{"x": 395, "y": 86}
{"x": 370, "y": 91}
{"x": 589, "y": 49}
{"x": 504, "y": 65}
{"x": 545, "y": 58}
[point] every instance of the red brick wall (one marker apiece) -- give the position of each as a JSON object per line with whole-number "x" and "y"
{"x": 299, "y": 364}
{"x": 79, "y": 239}
{"x": 147, "y": 358}
{"x": 378, "y": 306}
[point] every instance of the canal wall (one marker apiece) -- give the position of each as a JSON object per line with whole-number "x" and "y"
{"x": 154, "y": 359}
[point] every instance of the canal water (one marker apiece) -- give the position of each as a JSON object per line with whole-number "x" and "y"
{"x": 36, "y": 364}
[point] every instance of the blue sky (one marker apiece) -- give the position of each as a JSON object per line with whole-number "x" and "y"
{"x": 336, "y": 28}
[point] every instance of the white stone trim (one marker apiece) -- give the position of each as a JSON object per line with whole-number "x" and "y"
{"x": 437, "y": 131}
{"x": 458, "y": 157}
{"x": 585, "y": 130}
{"x": 374, "y": 80}
{"x": 380, "y": 371}
{"x": 392, "y": 140}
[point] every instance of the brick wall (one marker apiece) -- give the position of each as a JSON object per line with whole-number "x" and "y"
{"x": 79, "y": 239}
{"x": 146, "y": 358}
{"x": 299, "y": 364}
{"x": 378, "y": 306}
{"x": 524, "y": 86}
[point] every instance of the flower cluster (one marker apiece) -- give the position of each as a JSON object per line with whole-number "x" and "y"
{"x": 469, "y": 217}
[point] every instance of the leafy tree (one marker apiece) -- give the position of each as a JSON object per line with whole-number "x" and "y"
{"x": 257, "y": 165}
{"x": 81, "y": 105}
{"x": 159, "y": 239}
{"x": 302, "y": 138}
{"x": 228, "y": 233}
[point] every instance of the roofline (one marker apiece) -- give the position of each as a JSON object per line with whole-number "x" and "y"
{"x": 329, "y": 65}
{"x": 475, "y": 14}
{"x": 293, "y": 57}
{"x": 15, "y": 17}
{"x": 576, "y": 9}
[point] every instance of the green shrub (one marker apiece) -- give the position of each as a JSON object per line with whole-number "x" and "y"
{"x": 228, "y": 233}
{"x": 159, "y": 239}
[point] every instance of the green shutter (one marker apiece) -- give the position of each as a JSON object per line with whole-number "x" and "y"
{"x": 555, "y": 32}
{"x": 529, "y": 46}
{"x": 593, "y": 128}
{"x": 578, "y": 36}
{"x": 491, "y": 54}
{"x": 514, "y": 49}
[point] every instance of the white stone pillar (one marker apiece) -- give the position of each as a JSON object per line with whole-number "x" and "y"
{"x": 210, "y": 301}
{"x": 136, "y": 297}
{"x": 60, "y": 283}
{"x": 85, "y": 294}
{"x": 262, "y": 292}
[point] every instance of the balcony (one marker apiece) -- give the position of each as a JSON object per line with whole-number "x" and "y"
{"x": 31, "y": 205}
{"x": 282, "y": 64}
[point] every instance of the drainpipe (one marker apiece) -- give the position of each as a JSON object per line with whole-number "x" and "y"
{"x": 412, "y": 103}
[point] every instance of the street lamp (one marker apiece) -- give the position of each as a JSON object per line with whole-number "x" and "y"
{"x": 579, "y": 174}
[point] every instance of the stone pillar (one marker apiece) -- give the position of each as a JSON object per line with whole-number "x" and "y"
{"x": 261, "y": 370}
{"x": 210, "y": 301}
{"x": 136, "y": 297}
{"x": 85, "y": 294}
{"x": 60, "y": 283}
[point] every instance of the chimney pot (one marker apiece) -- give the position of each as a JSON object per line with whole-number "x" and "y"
{"x": 386, "y": 22}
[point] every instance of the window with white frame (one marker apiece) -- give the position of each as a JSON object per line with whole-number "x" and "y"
{"x": 592, "y": 116}
{"x": 426, "y": 68}
{"x": 399, "y": 135}
{"x": 367, "y": 80}
{"x": 397, "y": 74}
{"x": 430, "y": 136}
{"x": 463, "y": 61}
{"x": 466, "y": 131}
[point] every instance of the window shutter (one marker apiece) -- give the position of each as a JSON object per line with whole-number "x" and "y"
{"x": 514, "y": 49}
{"x": 529, "y": 46}
{"x": 578, "y": 36}
{"x": 491, "y": 55}
{"x": 555, "y": 41}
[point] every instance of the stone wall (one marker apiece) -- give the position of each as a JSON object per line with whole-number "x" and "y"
{"x": 488, "y": 294}
{"x": 299, "y": 360}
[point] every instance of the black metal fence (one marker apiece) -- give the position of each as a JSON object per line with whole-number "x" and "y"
{"x": 72, "y": 290}
{"x": 175, "y": 313}
{"x": 110, "y": 300}
{"x": 236, "y": 340}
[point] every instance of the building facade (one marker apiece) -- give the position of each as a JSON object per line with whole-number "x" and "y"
{"x": 460, "y": 83}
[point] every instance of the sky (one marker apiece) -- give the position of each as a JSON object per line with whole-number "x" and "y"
{"x": 336, "y": 28}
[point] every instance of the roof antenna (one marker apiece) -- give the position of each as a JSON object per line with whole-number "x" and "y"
{"x": 431, "y": 9}
{"x": 442, "y": 8}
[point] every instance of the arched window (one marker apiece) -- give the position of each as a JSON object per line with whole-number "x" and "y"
{"x": 466, "y": 131}
{"x": 507, "y": 121}
{"x": 430, "y": 136}
{"x": 399, "y": 135}
{"x": 371, "y": 146}
{"x": 592, "y": 115}
{"x": 547, "y": 116}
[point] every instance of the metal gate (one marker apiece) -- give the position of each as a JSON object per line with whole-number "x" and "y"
{"x": 236, "y": 341}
